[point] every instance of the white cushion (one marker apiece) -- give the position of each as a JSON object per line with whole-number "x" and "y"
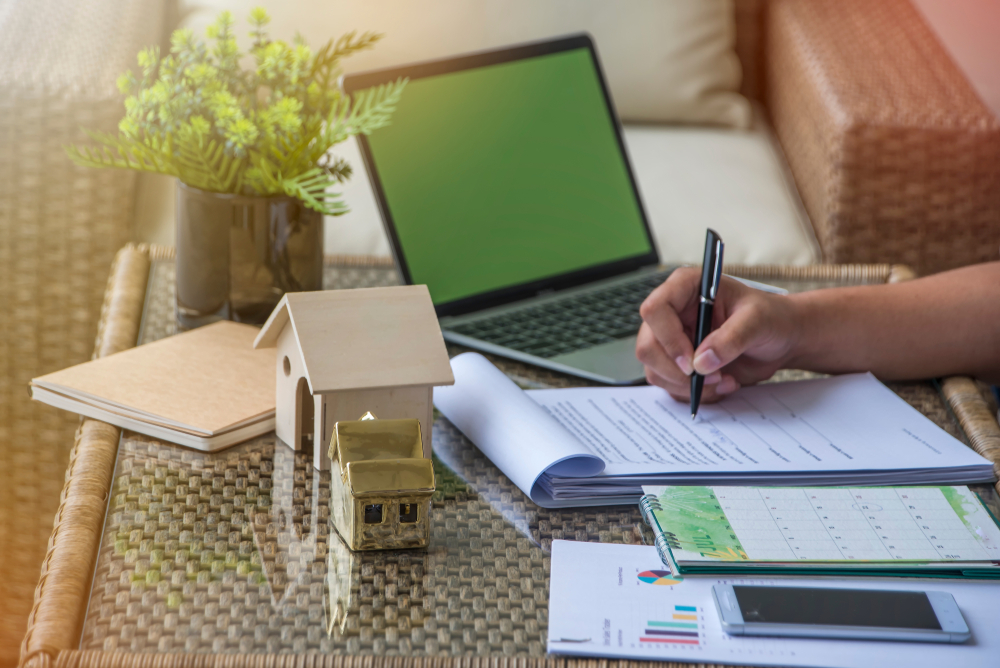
{"x": 734, "y": 181}
{"x": 690, "y": 178}
{"x": 665, "y": 61}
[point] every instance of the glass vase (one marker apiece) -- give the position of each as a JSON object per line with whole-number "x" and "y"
{"x": 237, "y": 255}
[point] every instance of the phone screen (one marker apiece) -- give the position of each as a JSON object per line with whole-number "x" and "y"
{"x": 836, "y": 607}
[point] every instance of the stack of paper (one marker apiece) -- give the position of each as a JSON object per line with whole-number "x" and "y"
{"x": 586, "y": 446}
{"x": 205, "y": 389}
{"x": 900, "y": 531}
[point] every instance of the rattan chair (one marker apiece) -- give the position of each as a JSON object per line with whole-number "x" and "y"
{"x": 895, "y": 156}
{"x": 60, "y": 227}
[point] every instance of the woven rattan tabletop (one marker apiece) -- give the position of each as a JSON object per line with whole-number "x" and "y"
{"x": 232, "y": 552}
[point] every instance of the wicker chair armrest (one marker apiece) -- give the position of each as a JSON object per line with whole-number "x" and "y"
{"x": 896, "y": 158}
{"x": 60, "y": 227}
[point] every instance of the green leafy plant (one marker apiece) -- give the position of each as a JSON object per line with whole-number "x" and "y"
{"x": 198, "y": 115}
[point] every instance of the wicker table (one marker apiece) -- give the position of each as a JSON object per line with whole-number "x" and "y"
{"x": 167, "y": 556}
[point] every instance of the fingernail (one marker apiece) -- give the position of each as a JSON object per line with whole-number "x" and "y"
{"x": 684, "y": 364}
{"x": 713, "y": 378}
{"x": 727, "y": 385}
{"x": 707, "y": 362}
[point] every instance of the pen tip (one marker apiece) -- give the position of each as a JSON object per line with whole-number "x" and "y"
{"x": 694, "y": 415}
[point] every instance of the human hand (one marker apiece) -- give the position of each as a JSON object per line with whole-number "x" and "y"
{"x": 753, "y": 335}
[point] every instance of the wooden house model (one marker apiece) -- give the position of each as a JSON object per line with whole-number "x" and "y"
{"x": 343, "y": 353}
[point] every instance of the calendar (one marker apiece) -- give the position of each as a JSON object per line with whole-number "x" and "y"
{"x": 918, "y": 525}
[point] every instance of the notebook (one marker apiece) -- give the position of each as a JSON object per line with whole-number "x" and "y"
{"x": 600, "y": 445}
{"x": 205, "y": 389}
{"x": 749, "y": 531}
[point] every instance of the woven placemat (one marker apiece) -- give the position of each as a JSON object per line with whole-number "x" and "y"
{"x": 232, "y": 552}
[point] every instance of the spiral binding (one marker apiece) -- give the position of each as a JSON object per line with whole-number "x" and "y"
{"x": 647, "y": 504}
{"x": 663, "y": 550}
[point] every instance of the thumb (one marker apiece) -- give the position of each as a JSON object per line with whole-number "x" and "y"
{"x": 729, "y": 341}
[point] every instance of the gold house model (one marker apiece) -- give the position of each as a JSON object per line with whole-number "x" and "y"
{"x": 342, "y": 353}
{"x": 381, "y": 484}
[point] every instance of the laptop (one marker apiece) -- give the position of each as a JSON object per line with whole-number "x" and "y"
{"x": 505, "y": 187}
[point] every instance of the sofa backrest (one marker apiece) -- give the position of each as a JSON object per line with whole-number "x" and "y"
{"x": 666, "y": 61}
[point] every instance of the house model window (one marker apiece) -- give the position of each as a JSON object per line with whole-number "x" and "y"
{"x": 342, "y": 353}
{"x": 380, "y": 484}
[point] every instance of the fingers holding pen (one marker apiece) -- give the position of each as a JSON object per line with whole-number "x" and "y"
{"x": 753, "y": 340}
{"x": 664, "y": 342}
{"x": 666, "y": 312}
{"x": 657, "y": 359}
{"x": 667, "y": 373}
{"x": 726, "y": 343}
{"x": 722, "y": 386}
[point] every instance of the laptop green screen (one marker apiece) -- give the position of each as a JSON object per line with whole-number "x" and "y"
{"x": 506, "y": 174}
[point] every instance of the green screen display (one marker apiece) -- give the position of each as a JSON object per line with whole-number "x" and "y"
{"x": 506, "y": 174}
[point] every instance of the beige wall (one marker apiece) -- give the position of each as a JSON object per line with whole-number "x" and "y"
{"x": 970, "y": 31}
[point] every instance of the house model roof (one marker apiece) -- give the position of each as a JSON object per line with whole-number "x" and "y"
{"x": 379, "y": 456}
{"x": 364, "y": 339}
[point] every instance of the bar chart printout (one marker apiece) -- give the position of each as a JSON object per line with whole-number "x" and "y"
{"x": 617, "y": 601}
{"x": 681, "y": 628}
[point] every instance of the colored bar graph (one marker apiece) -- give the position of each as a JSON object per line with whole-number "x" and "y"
{"x": 675, "y": 625}
{"x": 675, "y": 632}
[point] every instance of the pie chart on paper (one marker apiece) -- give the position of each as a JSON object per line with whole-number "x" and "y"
{"x": 659, "y": 578}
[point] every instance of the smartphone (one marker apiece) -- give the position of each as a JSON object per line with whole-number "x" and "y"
{"x": 813, "y": 612}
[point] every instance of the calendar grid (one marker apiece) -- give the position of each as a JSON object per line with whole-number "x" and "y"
{"x": 918, "y": 524}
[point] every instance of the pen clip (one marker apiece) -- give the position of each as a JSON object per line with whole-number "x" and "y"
{"x": 717, "y": 271}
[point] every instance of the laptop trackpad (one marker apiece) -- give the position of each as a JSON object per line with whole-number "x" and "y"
{"x": 614, "y": 361}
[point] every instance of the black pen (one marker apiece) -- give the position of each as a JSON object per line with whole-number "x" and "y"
{"x": 711, "y": 274}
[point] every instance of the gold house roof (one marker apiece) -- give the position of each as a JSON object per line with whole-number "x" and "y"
{"x": 363, "y": 339}
{"x": 376, "y": 457}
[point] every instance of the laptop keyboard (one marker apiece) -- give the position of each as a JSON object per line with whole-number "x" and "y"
{"x": 565, "y": 325}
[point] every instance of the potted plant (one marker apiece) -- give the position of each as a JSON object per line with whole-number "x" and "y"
{"x": 251, "y": 152}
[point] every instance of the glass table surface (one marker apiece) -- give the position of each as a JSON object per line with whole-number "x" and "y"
{"x": 233, "y": 551}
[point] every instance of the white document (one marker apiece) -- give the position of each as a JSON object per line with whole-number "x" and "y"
{"x": 604, "y": 598}
{"x": 517, "y": 435}
{"x": 581, "y": 446}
